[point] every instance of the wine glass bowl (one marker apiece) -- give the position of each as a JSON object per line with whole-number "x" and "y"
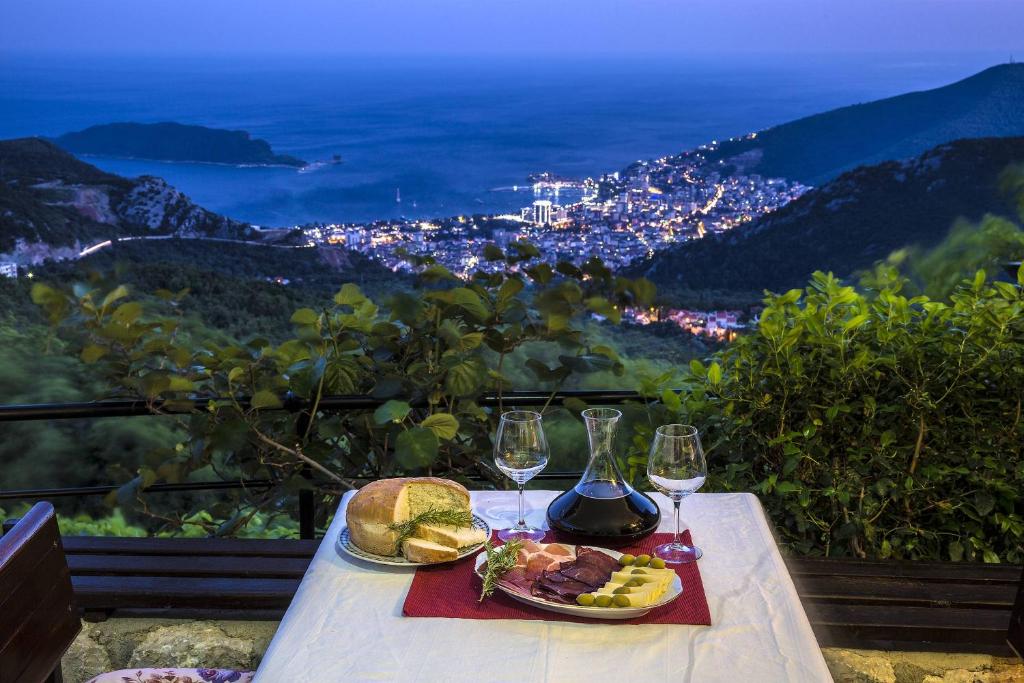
{"x": 521, "y": 452}
{"x": 677, "y": 467}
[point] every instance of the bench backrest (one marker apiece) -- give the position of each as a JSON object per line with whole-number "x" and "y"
{"x": 1016, "y": 635}
{"x": 38, "y": 619}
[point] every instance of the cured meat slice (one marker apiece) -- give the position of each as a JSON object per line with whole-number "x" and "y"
{"x": 595, "y": 577}
{"x": 515, "y": 580}
{"x": 537, "y": 563}
{"x": 563, "y": 591}
{"x": 595, "y": 558}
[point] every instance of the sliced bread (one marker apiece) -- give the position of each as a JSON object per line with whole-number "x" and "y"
{"x": 420, "y": 550}
{"x": 453, "y": 537}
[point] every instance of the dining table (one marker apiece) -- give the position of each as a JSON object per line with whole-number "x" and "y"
{"x": 346, "y": 621}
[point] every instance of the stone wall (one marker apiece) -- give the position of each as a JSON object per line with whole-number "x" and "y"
{"x": 126, "y": 643}
{"x": 870, "y": 666}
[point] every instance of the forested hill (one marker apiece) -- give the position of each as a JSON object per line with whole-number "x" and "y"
{"x": 849, "y": 223}
{"x": 817, "y": 148}
{"x": 52, "y": 204}
{"x": 174, "y": 142}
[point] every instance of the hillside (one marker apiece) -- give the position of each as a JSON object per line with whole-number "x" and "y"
{"x": 174, "y": 142}
{"x": 817, "y": 148}
{"x": 849, "y": 223}
{"x": 52, "y": 205}
{"x": 237, "y": 289}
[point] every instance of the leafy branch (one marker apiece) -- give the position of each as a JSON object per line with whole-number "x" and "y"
{"x": 499, "y": 561}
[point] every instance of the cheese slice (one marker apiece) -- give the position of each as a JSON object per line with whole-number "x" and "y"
{"x": 453, "y": 537}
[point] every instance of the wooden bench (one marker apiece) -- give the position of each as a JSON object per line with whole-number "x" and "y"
{"x": 890, "y": 605}
{"x": 186, "y": 577}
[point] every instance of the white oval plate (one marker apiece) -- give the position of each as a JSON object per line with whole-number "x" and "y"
{"x": 675, "y": 589}
{"x": 346, "y": 545}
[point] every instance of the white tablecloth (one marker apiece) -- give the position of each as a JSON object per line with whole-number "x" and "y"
{"x": 346, "y": 623}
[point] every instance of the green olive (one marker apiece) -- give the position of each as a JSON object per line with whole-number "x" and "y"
{"x": 626, "y": 560}
{"x": 641, "y": 560}
{"x": 585, "y": 599}
{"x": 621, "y": 601}
{"x": 621, "y": 589}
{"x": 603, "y": 601}
{"x": 634, "y": 583}
{"x": 657, "y": 563}
{"x": 638, "y": 571}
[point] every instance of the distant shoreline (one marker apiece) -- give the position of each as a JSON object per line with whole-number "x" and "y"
{"x": 194, "y": 162}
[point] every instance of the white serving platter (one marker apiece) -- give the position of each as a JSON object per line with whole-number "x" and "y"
{"x": 675, "y": 589}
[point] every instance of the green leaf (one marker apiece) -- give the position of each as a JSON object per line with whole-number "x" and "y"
{"x": 235, "y": 373}
{"x": 179, "y": 383}
{"x": 956, "y": 551}
{"x": 93, "y": 352}
{"x": 469, "y": 301}
{"x": 391, "y": 411}
{"x": 696, "y": 368}
{"x": 984, "y": 502}
{"x": 436, "y": 273}
{"x": 349, "y": 295}
{"x": 715, "y": 373}
{"x": 416, "y": 448}
{"x": 855, "y": 322}
{"x": 115, "y": 294}
{"x": 306, "y": 316}
{"x": 493, "y": 253}
{"x": 154, "y": 383}
{"x": 265, "y": 399}
{"x": 127, "y": 313}
{"x": 979, "y": 278}
{"x": 444, "y": 426}
{"x": 465, "y": 378}
{"x": 670, "y": 400}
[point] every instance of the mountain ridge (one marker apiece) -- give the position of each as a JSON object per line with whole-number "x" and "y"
{"x": 817, "y": 148}
{"x": 52, "y": 204}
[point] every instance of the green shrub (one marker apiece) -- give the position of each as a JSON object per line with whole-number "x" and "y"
{"x": 869, "y": 423}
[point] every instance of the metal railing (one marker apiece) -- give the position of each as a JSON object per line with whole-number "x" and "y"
{"x": 307, "y": 501}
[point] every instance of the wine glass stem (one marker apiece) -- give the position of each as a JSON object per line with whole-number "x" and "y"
{"x": 675, "y": 539}
{"x": 522, "y": 516}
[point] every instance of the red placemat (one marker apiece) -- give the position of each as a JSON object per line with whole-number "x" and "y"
{"x": 453, "y": 591}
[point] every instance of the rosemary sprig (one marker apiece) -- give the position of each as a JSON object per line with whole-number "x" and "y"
{"x": 456, "y": 518}
{"x": 499, "y": 561}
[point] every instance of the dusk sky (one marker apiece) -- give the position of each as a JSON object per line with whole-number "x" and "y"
{"x": 613, "y": 27}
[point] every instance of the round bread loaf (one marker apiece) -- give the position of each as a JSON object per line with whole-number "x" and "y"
{"x": 382, "y": 503}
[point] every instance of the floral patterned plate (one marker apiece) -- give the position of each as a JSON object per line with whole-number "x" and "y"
{"x": 346, "y": 546}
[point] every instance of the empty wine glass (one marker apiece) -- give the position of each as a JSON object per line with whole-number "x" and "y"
{"x": 520, "y": 451}
{"x": 677, "y": 468}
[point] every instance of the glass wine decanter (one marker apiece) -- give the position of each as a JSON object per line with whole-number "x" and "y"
{"x": 603, "y": 508}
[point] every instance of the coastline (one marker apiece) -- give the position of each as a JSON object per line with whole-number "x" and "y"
{"x": 229, "y": 164}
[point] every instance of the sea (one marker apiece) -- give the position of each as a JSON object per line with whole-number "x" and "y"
{"x": 441, "y": 136}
